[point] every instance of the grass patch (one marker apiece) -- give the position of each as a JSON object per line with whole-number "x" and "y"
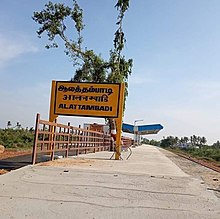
{"x": 206, "y": 153}
{"x": 19, "y": 139}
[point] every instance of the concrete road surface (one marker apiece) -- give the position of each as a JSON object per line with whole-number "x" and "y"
{"x": 148, "y": 185}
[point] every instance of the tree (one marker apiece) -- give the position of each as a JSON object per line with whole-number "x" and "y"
{"x": 145, "y": 141}
{"x": 217, "y": 144}
{"x": 89, "y": 67}
{"x": 203, "y": 140}
{"x": 9, "y": 124}
{"x": 184, "y": 140}
{"x": 169, "y": 141}
{"x": 193, "y": 140}
{"x": 154, "y": 142}
{"x": 198, "y": 141}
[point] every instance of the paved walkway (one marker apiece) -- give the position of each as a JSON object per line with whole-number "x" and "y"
{"x": 148, "y": 185}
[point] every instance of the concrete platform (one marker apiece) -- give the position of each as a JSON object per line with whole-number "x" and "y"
{"x": 148, "y": 185}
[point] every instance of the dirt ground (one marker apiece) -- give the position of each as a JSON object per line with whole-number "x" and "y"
{"x": 68, "y": 162}
{"x": 13, "y": 153}
{"x": 2, "y": 171}
{"x": 209, "y": 177}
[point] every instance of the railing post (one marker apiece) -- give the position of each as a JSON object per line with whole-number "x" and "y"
{"x": 53, "y": 137}
{"x": 68, "y": 144}
{"x": 86, "y": 138}
{"x": 78, "y": 140}
{"x": 93, "y": 141}
{"x": 34, "y": 153}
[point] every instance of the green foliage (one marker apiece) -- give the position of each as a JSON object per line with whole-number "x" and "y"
{"x": 52, "y": 21}
{"x": 93, "y": 69}
{"x": 206, "y": 152}
{"x": 197, "y": 140}
{"x": 119, "y": 41}
{"x": 169, "y": 141}
{"x": 216, "y": 145}
{"x": 150, "y": 142}
{"x": 192, "y": 141}
{"x": 194, "y": 146}
{"x": 77, "y": 16}
{"x": 90, "y": 66}
{"x": 17, "y": 138}
{"x": 120, "y": 67}
{"x": 122, "y": 5}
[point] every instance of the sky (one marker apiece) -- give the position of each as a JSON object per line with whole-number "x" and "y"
{"x": 175, "y": 47}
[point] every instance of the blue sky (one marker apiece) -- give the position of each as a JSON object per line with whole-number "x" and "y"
{"x": 175, "y": 46}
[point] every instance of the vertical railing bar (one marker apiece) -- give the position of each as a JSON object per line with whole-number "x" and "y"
{"x": 42, "y": 145}
{"x": 68, "y": 140}
{"x": 53, "y": 139}
{"x": 34, "y": 153}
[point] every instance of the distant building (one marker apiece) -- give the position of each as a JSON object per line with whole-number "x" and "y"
{"x": 186, "y": 145}
{"x": 183, "y": 145}
{"x": 97, "y": 127}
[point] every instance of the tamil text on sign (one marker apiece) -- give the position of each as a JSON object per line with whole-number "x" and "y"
{"x": 87, "y": 99}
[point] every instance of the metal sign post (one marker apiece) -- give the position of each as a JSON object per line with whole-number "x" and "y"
{"x": 119, "y": 123}
{"x": 52, "y": 116}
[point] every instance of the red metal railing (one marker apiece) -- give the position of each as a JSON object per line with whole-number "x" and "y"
{"x": 51, "y": 137}
{"x": 126, "y": 142}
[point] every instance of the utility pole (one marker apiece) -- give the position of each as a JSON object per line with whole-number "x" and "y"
{"x": 136, "y": 137}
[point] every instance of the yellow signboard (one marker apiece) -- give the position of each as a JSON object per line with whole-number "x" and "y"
{"x": 87, "y": 99}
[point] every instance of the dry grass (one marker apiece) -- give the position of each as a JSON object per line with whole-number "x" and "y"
{"x": 13, "y": 153}
{"x": 3, "y": 171}
{"x": 68, "y": 162}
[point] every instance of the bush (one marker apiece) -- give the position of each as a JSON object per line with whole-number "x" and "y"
{"x": 16, "y": 138}
{"x": 206, "y": 153}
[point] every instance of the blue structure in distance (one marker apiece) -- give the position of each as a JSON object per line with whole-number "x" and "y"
{"x": 128, "y": 128}
{"x": 142, "y": 129}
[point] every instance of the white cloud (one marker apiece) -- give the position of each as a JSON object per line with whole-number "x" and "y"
{"x": 13, "y": 46}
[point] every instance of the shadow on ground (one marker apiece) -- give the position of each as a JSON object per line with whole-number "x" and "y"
{"x": 13, "y": 163}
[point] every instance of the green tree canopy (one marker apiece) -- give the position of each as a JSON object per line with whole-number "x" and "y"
{"x": 89, "y": 67}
